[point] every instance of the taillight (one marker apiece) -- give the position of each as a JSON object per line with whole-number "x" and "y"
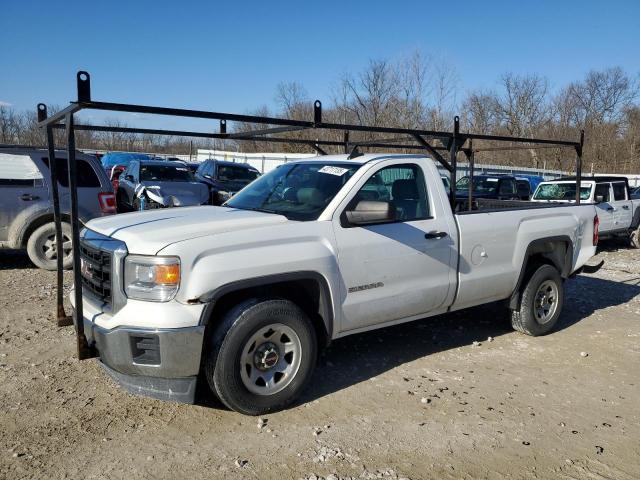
{"x": 107, "y": 201}
{"x": 596, "y": 230}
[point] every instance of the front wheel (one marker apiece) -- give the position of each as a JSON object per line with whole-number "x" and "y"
{"x": 541, "y": 303}
{"x": 261, "y": 356}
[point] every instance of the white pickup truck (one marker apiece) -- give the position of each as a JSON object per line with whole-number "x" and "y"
{"x": 244, "y": 295}
{"x": 618, "y": 214}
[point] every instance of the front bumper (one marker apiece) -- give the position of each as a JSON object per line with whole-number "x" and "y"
{"x": 159, "y": 363}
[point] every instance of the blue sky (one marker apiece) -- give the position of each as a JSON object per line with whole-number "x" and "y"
{"x": 229, "y": 56}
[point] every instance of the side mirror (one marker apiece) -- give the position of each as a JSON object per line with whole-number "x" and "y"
{"x": 367, "y": 212}
{"x": 599, "y": 198}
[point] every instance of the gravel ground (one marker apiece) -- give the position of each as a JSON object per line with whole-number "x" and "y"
{"x": 459, "y": 396}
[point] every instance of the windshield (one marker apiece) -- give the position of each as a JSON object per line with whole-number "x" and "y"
{"x": 231, "y": 173}
{"x": 480, "y": 184}
{"x": 299, "y": 191}
{"x": 165, "y": 173}
{"x": 560, "y": 191}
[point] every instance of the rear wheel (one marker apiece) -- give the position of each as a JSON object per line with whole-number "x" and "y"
{"x": 541, "y": 303}
{"x": 42, "y": 246}
{"x": 261, "y": 357}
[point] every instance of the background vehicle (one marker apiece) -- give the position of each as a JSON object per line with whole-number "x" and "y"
{"x": 309, "y": 252}
{"x": 192, "y": 166}
{"x": 26, "y": 211}
{"x": 111, "y": 159}
{"x": 619, "y": 214}
{"x": 527, "y": 184}
{"x": 160, "y": 184}
{"x": 486, "y": 187}
{"x": 225, "y": 179}
{"x": 114, "y": 175}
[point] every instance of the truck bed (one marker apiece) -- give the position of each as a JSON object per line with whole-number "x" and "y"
{"x": 493, "y": 244}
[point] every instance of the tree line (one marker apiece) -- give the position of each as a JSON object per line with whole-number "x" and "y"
{"x": 426, "y": 92}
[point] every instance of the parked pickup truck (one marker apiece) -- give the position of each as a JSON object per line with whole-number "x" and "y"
{"x": 618, "y": 213}
{"x": 247, "y": 293}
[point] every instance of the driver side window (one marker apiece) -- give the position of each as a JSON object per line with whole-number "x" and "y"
{"x": 403, "y": 187}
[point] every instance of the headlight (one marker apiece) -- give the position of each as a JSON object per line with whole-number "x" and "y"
{"x": 151, "y": 278}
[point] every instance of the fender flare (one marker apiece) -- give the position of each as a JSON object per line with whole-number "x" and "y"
{"x": 325, "y": 306}
{"x": 39, "y": 213}
{"x": 564, "y": 266}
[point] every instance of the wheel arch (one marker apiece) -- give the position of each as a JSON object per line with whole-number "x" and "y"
{"x": 635, "y": 222}
{"x": 308, "y": 289}
{"x": 20, "y": 236}
{"x": 556, "y": 251}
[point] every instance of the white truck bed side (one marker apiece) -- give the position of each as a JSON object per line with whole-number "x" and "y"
{"x": 493, "y": 246}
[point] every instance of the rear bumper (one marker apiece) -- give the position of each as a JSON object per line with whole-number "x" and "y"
{"x": 160, "y": 363}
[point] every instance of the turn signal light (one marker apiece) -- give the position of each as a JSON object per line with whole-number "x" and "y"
{"x": 168, "y": 274}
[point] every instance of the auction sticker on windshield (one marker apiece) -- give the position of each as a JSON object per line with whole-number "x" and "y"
{"x": 339, "y": 171}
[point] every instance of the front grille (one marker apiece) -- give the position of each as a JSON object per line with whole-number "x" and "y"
{"x": 96, "y": 271}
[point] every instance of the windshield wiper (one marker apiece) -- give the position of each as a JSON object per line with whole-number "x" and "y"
{"x": 256, "y": 209}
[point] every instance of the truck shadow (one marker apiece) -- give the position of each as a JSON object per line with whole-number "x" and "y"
{"x": 14, "y": 259}
{"x": 358, "y": 358}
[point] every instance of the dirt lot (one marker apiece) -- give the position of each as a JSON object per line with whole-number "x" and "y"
{"x": 415, "y": 401}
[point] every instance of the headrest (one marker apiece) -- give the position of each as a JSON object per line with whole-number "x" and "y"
{"x": 311, "y": 196}
{"x": 405, "y": 189}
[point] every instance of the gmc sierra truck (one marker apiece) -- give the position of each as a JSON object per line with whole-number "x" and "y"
{"x": 244, "y": 295}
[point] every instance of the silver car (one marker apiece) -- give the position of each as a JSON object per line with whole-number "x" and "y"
{"x": 26, "y": 208}
{"x": 149, "y": 184}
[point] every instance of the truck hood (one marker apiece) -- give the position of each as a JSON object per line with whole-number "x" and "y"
{"x": 149, "y": 231}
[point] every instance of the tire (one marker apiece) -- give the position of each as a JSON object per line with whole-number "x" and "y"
{"x": 41, "y": 246}
{"x": 241, "y": 339}
{"x": 634, "y": 238}
{"x": 122, "y": 206}
{"x": 543, "y": 291}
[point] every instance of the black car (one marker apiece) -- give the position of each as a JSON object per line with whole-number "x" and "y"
{"x": 502, "y": 187}
{"x": 224, "y": 179}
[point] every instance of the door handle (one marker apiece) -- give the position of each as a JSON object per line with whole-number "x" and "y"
{"x": 28, "y": 197}
{"x": 610, "y": 209}
{"x": 435, "y": 235}
{"x": 626, "y": 207}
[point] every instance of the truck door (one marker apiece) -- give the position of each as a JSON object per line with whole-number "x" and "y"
{"x": 401, "y": 268}
{"x": 604, "y": 208}
{"x": 622, "y": 211}
{"x": 21, "y": 186}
